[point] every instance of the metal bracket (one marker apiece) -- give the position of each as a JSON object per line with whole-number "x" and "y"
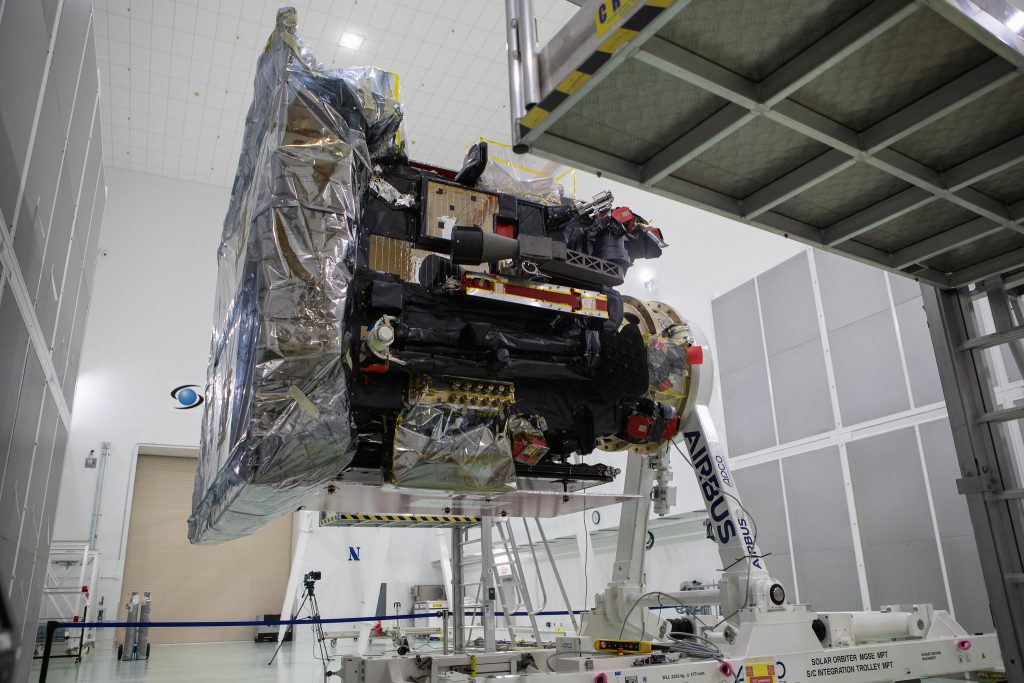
{"x": 971, "y": 485}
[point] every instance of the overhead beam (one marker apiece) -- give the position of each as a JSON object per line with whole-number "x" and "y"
{"x": 963, "y": 90}
{"x": 948, "y": 240}
{"x": 984, "y": 165}
{"x": 802, "y": 178}
{"x": 993, "y": 266}
{"x": 837, "y": 136}
{"x": 957, "y": 93}
{"x": 877, "y": 214}
{"x": 609, "y": 166}
{"x": 838, "y": 44}
{"x": 860, "y": 252}
{"x": 696, "y": 70}
{"x": 696, "y": 141}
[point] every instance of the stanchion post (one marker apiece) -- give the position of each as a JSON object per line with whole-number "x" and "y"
{"x": 444, "y": 631}
{"x": 51, "y": 629}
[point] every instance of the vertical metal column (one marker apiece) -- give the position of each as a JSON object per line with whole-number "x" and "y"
{"x": 488, "y": 586}
{"x": 632, "y": 536}
{"x": 989, "y": 479}
{"x": 516, "y": 107}
{"x": 458, "y": 602}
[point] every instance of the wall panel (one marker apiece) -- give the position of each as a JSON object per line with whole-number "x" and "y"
{"x": 868, "y": 371}
{"x": 970, "y": 600}
{"x": 787, "y": 305}
{"x": 826, "y": 569}
{"x": 918, "y": 352}
{"x": 877, "y": 347}
{"x": 760, "y": 488}
{"x": 800, "y": 385}
{"x": 48, "y": 160}
{"x": 900, "y": 553}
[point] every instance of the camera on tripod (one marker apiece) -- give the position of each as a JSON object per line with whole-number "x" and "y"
{"x": 309, "y": 599}
{"x": 309, "y": 579}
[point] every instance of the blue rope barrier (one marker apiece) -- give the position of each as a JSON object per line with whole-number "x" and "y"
{"x": 284, "y": 622}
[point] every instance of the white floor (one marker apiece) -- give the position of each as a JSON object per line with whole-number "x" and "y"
{"x": 242, "y": 661}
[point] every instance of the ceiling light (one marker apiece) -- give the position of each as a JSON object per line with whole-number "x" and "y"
{"x": 352, "y": 41}
{"x": 1016, "y": 22}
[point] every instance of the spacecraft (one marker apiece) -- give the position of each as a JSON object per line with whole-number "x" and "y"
{"x": 451, "y": 331}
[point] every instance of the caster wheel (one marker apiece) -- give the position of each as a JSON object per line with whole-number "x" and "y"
{"x": 334, "y": 642}
{"x": 120, "y": 651}
{"x": 147, "y": 650}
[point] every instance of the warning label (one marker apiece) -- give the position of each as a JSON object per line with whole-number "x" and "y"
{"x": 760, "y": 671}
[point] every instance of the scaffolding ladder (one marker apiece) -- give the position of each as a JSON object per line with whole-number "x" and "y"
{"x": 986, "y": 421}
{"x": 502, "y": 581}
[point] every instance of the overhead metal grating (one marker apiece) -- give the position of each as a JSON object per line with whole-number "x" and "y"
{"x": 346, "y": 519}
{"x": 889, "y": 131}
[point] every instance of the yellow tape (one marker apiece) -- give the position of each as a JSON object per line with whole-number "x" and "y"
{"x": 617, "y": 40}
{"x": 534, "y": 117}
{"x": 573, "y": 82}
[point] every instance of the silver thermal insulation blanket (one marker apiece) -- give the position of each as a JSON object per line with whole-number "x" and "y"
{"x": 276, "y": 426}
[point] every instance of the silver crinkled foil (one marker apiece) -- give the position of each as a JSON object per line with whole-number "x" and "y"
{"x": 276, "y": 426}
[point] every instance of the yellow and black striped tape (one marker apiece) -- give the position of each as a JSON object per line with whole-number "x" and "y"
{"x": 615, "y": 40}
{"x": 442, "y": 519}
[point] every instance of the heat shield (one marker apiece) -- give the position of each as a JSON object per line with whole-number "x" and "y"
{"x": 277, "y": 421}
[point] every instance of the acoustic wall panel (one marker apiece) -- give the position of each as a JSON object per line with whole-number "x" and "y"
{"x": 740, "y": 360}
{"x": 869, "y": 317}
{"x": 760, "y": 488}
{"x": 747, "y": 403}
{"x": 77, "y": 338}
{"x": 60, "y": 442}
{"x": 48, "y": 160}
{"x": 896, "y": 531}
{"x": 738, "y": 342}
{"x": 39, "y": 477}
{"x": 787, "y": 305}
{"x": 67, "y": 58}
{"x": 918, "y": 352}
{"x": 850, "y": 291}
{"x": 869, "y": 374}
{"x": 903, "y": 288}
{"x": 19, "y": 458}
{"x": 970, "y": 600}
{"x": 9, "y": 180}
{"x": 24, "y": 40}
{"x": 81, "y": 126}
{"x": 803, "y": 405}
{"x": 826, "y": 568}
{"x": 55, "y": 257}
{"x": 14, "y": 347}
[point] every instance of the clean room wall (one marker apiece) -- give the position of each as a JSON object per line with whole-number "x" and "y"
{"x": 857, "y": 427}
{"x": 51, "y": 201}
{"x": 148, "y": 333}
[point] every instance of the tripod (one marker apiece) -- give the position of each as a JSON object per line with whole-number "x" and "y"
{"x": 309, "y": 597}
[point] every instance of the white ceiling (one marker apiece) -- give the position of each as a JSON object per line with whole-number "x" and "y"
{"x": 177, "y": 74}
